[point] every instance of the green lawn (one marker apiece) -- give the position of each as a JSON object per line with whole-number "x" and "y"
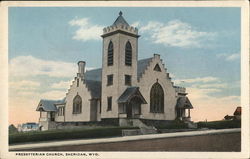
{"x": 65, "y": 134}
{"x": 223, "y": 124}
{"x": 174, "y": 125}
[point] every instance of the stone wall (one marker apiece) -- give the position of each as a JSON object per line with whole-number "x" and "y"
{"x": 73, "y": 125}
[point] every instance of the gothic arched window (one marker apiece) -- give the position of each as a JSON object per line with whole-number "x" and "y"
{"x": 77, "y": 105}
{"x": 156, "y": 99}
{"x": 128, "y": 54}
{"x": 110, "y": 53}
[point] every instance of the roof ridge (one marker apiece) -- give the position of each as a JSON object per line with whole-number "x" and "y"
{"x": 145, "y": 59}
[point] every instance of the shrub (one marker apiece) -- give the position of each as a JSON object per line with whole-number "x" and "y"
{"x": 12, "y": 129}
{"x": 223, "y": 124}
{"x": 176, "y": 124}
{"x": 66, "y": 134}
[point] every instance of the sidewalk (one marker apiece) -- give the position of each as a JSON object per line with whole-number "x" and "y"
{"x": 120, "y": 139}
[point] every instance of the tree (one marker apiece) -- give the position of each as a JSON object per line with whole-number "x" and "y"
{"x": 12, "y": 129}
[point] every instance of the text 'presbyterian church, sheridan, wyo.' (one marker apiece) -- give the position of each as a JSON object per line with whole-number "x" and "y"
{"x": 125, "y": 91}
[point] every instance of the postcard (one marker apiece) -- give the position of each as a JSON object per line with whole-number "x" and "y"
{"x": 107, "y": 79}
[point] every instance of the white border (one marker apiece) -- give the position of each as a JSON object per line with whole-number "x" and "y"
{"x": 244, "y": 73}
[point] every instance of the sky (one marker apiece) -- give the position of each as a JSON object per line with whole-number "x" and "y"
{"x": 200, "y": 48}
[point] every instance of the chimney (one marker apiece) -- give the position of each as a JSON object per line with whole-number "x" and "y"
{"x": 156, "y": 55}
{"x": 81, "y": 68}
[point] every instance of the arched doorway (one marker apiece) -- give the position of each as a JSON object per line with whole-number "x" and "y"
{"x": 134, "y": 107}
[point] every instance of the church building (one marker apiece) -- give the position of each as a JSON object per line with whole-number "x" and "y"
{"x": 123, "y": 90}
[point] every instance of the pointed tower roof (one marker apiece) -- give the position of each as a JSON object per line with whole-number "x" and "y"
{"x": 120, "y": 26}
{"x": 120, "y": 20}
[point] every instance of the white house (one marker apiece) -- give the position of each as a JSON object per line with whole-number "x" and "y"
{"x": 124, "y": 88}
{"x": 28, "y": 127}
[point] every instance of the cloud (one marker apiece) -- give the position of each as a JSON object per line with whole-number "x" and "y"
{"x": 201, "y": 93}
{"x": 233, "y": 57}
{"x": 24, "y": 85}
{"x": 26, "y": 102}
{"x": 172, "y": 75}
{"x": 53, "y": 95}
{"x": 207, "y": 107}
{"x": 214, "y": 85}
{"x": 152, "y": 25}
{"x": 136, "y": 24}
{"x": 196, "y": 80}
{"x": 31, "y": 66}
{"x": 177, "y": 34}
{"x": 25, "y": 93}
{"x": 229, "y": 57}
{"x": 61, "y": 85}
{"x": 86, "y": 31}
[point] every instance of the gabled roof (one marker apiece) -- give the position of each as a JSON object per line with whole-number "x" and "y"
{"x": 48, "y": 105}
{"x": 120, "y": 20}
{"x": 183, "y": 102}
{"x": 129, "y": 93}
{"x": 237, "y": 111}
{"x": 94, "y": 75}
{"x": 94, "y": 88}
{"x": 141, "y": 66}
{"x": 61, "y": 101}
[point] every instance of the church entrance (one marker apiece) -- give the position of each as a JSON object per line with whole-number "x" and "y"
{"x": 134, "y": 108}
{"x": 129, "y": 111}
{"x": 130, "y": 103}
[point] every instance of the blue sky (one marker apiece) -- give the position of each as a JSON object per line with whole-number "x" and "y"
{"x": 199, "y": 46}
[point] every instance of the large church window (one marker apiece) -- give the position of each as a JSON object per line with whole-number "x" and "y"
{"x": 110, "y": 53}
{"x": 156, "y": 99}
{"x": 77, "y": 105}
{"x": 128, "y": 54}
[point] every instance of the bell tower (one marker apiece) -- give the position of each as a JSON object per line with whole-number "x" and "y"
{"x": 119, "y": 63}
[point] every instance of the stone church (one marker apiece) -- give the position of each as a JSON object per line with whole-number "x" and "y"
{"x": 124, "y": 89}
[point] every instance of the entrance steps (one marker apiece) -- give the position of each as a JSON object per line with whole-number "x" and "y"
{"x": 144, "y": 129}
{"x": 191, "y": 124}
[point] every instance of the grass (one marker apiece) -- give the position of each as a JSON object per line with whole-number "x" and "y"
{"x": 223, "y": 124}
{"x": 176, "y": 124}
{"x": 65, "y": 134}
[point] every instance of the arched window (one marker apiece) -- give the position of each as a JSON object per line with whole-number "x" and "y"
{"x": 128, "y": 54}
{"x": 77, "y": 105}
{"x": 156, "y": 99}
{"x": 110, "y": 53}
